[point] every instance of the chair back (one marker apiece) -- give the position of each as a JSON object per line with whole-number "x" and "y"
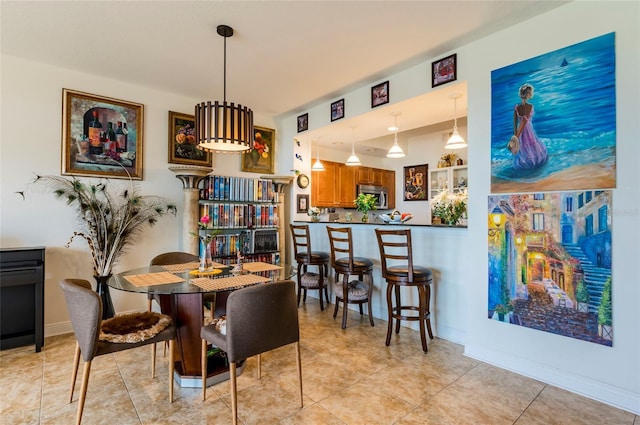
{"x": 261, "y": 318}
{"x": 341, "y": 242}
{"x": 173, "y": 258}
{"x": 85, "y": 311}
{"x": 301, "y": 241}
{"x": 395, "y": 245}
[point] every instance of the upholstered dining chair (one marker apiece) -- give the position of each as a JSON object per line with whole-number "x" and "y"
{"x": 345, "y": 264}
{"x": 259, "y": 319}
{"x": 396, "y": 257}
{"x": 85, "y": 311}
{"x": 305, "y": 257}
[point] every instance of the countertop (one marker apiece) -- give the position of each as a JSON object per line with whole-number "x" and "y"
{"x": 378, "y": 223}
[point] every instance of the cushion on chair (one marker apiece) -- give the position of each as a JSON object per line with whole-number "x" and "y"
{"x": 316, "y": 257}
{"x": 133, "y": 327}
{"x": 419, "y": 272}
{"x": 310, "y": 280}
{"x": 357, "y": 290}
{"x": 358, "y": 262}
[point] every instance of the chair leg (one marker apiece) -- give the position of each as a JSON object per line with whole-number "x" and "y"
{"x": 74, "y": 373}
{"x": 345, "y": 299}
{"x": 153, "y": 360}
{"x": 370, "y": 295}
{"x": 171, "y": 369}
{"x": 299, "y": 284}
{"x": 299, "y": 365}
{"x": 326, "y": 286}
{"x": 389, "y": 313}
{"x": 428, "y": 302}
{"x": 398, "y": 308}
{"x": 204, "y": 369}
{"x": 259, "y": 366}
{"x": 321, "y": 285}
{"x": 83, "y": 391}
{"x": 335, "y": 310}
{"x": 422, "y": 313}
{"x": 234, "y": 392}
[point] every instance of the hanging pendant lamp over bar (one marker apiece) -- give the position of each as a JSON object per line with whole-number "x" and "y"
{"x": 224, "y": 127}
{"x": 353, "y": 159}
{"x": 395, "y": 151}
{"x": 455, "y": 141}
{"x": 317, "y": 166}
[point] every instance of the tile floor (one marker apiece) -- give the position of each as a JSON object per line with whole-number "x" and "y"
{"x": 349, "y": 377}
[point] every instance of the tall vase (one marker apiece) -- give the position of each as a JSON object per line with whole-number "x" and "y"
{"x": 102, "y": 289}
{"x": 206, "y": 263}
{"x": 365, "y": 217}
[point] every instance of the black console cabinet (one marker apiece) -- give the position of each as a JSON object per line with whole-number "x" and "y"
{"x": 21, "y": 297}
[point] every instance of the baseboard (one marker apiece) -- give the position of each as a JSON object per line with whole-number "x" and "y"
{"x": 604, "y": 393}
{"x": 62, "y": 328}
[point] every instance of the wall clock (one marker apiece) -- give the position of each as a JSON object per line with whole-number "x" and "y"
{"x": 303, "y": 181}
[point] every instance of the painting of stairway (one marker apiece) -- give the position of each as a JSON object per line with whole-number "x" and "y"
{"x": 550, "y": 263}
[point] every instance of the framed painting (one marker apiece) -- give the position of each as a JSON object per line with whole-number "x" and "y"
{"x": 303, "y": 122}
{"x": 444, "y": 70}
{"x": 415, "y": 182}
{"x": 101, "y": 136}
{"x": 337, "y": 110}
{"x": 260, "y": 158}
{"x": 302, "y": 204}
{"x": 182, "y": 142}
{"x": 380, "y": 94}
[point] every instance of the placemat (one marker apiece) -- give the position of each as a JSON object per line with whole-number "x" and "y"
{"x": 150, "y": 279}
{"x": 228, "y": 282}
{"x": 185, "y": 267}
{"x": 259, "y": 266}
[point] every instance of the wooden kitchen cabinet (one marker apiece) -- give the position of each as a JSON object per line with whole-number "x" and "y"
{"x": 368, "y": 175}
{"x": 389, "y": 183}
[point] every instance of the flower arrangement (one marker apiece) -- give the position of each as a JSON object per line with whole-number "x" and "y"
{"x": 447, "y": 160}
{"x": 313, "y": 212}
{"x": 449, "y": 207}
{"x": 109, "y": 221}
{"x": 205, "y": 234}
{"x": 364, "y": 203}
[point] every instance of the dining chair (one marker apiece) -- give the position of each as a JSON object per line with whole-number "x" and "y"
{"x": 345, "y": 264}
{"x": 396, "y": 257}
{"x": 259, "y": 319}
{"x": 85, "y": 311}
{"x": 165, "y": 259}
{"x": 305, "y": 257}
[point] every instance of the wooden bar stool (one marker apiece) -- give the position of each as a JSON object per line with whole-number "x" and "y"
{"x": 306, "y": 257}
{"x": 355, "y": 291}
{"x": 395, "y": 246}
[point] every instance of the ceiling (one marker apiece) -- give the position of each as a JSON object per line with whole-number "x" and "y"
{"x": 284, "y": 57}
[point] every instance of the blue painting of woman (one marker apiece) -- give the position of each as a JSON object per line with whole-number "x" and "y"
{"x": 529, "y": 151}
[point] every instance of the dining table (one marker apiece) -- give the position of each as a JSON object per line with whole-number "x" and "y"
{"x": 181, "y": 290}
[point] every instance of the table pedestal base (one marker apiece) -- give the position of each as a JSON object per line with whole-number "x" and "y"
{"x": 186, "y": 381}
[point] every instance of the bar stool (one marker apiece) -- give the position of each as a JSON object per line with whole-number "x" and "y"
{"x": 306, "y": 257}
{"x": 355, "y": 291}
{"x": 395, "y": 245}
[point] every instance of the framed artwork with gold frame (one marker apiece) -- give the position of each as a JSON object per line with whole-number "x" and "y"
{"x": 260, "y": 158}
{"x": 101, "y": 136}
{"x": 182, "y": 142}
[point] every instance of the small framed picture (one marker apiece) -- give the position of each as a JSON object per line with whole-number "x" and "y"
{"x": 444, "y": 70}
{"x": 303, "y": 122}
{"x": 337, "y": 110}
{"x": 415, "y": 182}
{"x": 380, "y": 94}
{"x": 182, "y": 142}
{"x": 303, "y": 203}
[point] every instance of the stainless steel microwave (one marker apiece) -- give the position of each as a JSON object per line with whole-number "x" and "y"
{"x": 379, "y": 192}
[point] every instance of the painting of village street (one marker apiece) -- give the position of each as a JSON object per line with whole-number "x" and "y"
{"x": 550, "y": 263}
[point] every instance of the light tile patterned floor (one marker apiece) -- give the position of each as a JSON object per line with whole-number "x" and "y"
{"x": 349, "y": 377}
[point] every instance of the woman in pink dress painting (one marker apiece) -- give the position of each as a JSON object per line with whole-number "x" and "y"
{"x": 531, "y": 152}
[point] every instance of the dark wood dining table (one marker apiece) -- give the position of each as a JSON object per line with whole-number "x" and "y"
{"x": 183, "y": 298}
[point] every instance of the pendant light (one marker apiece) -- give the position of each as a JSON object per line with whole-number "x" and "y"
{"x": 317, "y": 166}
{"x": 224, "y": 127}
{"x": 395, "y": 151}
{"x": 455, "y": 141}
{"x": 353, "y": 159}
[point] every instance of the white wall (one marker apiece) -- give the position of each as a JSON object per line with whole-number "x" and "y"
{"x": 609, "y": 374}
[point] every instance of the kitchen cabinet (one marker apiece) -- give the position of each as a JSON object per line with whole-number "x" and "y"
{"x": 453, "y": 179}
{"x": 368, "y": 175}
{"x": 335, "y": 187}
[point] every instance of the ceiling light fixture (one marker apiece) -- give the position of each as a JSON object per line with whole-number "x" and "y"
{"x": 317, "y": 166}
{"x": 224, "y": 127}
{"x": 395, "y": 151}
{"x": 353, "y": 159}
{"x": 455, "y": 141}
